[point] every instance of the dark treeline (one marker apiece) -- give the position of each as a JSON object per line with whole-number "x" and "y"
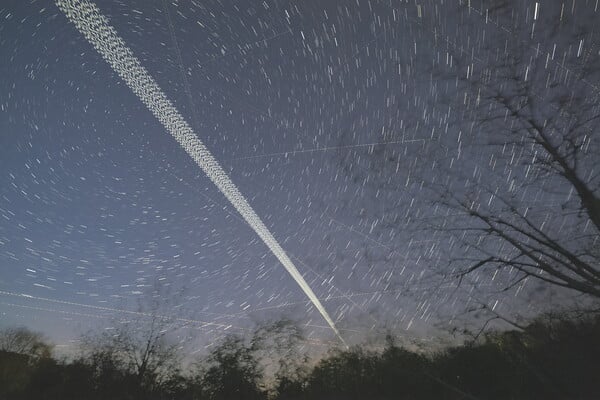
{"x": 554, "y": 357}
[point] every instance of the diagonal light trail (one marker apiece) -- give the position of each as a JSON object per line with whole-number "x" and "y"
{"x": 86, "y": 16}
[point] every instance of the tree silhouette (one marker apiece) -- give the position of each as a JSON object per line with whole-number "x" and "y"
{"x": 556, "y": 356}
{"x": 232, "y": 372}
{"x": 505, "y": 169}
{"x": 23, "y": 341}
{"x": 534, "y": 207}
{"x": 138, "y": 352}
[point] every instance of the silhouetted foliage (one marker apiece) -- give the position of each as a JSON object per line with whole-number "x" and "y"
{"x": 23, "y": 341}
{"x": 554, "y": 357}
{"x": 232, "y": 372}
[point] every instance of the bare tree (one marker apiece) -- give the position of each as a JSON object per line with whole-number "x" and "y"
{"x": 531, "y": 111}
{"x": 23, "y": 341}
{"x": 506, "y": 165}
{"x": 140, "y": 346}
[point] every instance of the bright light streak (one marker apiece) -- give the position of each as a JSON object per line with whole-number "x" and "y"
{"x": 96, "y": 29}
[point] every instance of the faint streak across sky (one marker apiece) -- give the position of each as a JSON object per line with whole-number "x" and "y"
{"x": 104, "y": 38}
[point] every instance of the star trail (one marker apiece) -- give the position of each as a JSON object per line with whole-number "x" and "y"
{"x": 365, "y": 152}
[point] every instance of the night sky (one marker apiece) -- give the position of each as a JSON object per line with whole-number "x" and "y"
{"x": 299, "y": 102}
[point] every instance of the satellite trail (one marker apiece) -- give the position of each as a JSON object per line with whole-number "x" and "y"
{"x": 96, "y": 29}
